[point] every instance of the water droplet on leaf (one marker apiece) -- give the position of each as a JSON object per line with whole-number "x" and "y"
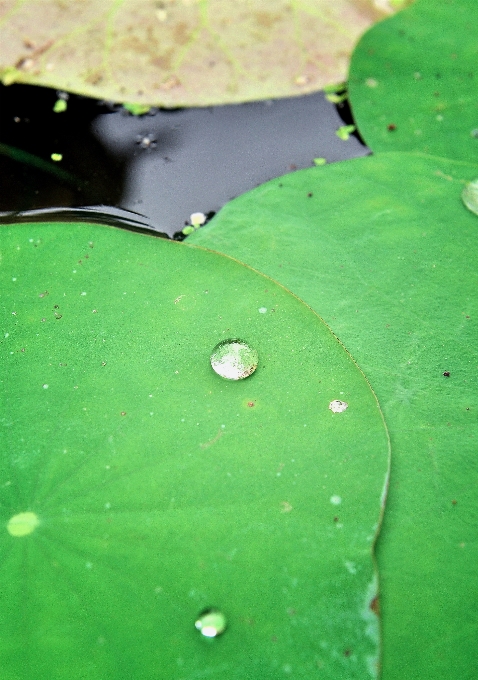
{"x": 234, "y": 359}
{"x": 337, "y": 406}
{"x": 469, "y": 196}
{"x": 211, "y": 623}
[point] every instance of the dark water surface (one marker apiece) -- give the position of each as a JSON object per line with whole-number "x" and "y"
{"x": 152, "y": 171}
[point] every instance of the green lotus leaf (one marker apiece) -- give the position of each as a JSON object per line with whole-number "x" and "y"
{"x": 183, "y": 52}
{"x": 385, "y": 249}
{"x": 159, "y": 520}
{"x": 413, "y": 81}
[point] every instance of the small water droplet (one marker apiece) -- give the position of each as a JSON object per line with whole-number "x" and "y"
{"x": 337, "y": 406}
{"x": 335, "y": 500}
{"x": 469, "y": 196}
{"x": 234, "y": 359}
{"x": 262, "y": 310}
{"x": 211, "y": 623}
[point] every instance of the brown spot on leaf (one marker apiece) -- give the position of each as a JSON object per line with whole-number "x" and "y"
{"x": 181, "y": 33}
{"x": 170, "y": 83}
{"x": 163, "y": 61}
{"x": 266, "y": 19}
{"x": 94, "y": 78}
{"x": 375, "y": 605}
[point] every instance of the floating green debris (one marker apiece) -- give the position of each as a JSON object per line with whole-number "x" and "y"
{"x": 136, "y": 109}
{"x": 345, "y": 131}
{"x": 335, "y": 98}
{"x": 60, "y": 106}
{"x": 335, "y": 88}
{"x": 56, "y": 157}
{"x": 197, "y": 219}
{"x": 320, "y": 161}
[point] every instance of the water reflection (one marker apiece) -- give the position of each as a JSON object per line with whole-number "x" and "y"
{"x": 164, "y": 165}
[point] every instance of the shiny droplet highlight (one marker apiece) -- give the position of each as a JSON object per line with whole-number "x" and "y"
{"x": 469, "y": 196}
{"x": 337, "y": 406}
{"x": 211, "y": 623}
{"x": 234, "y": 359}
{"x": 22, "y": 524}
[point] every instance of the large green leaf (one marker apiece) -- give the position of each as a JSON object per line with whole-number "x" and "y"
{"x": 414, "y": 82}
{"x": 385, "y": 249}
{"x": 183, "y": 52}
{"x": 138, "y": 487}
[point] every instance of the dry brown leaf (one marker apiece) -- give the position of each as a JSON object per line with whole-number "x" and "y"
{"x": 183, "y": 52}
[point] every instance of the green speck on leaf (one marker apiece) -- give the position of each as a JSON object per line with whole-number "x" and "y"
{"x": 136, "y": 109}
{"x": 345, "y": 131}
{"x": 60, "y": 106}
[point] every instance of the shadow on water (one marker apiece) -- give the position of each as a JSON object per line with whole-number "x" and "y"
{"x": 152, "y": 171}
{"x": 30, "y": 132}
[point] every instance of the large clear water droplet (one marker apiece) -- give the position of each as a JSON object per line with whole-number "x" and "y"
{"x": 469, "y": 196}
{"x": 211, "y": 623}
{"x": 234, "y": 359}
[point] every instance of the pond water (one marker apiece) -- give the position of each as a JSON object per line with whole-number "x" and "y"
{"x": 152, "y": 171}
